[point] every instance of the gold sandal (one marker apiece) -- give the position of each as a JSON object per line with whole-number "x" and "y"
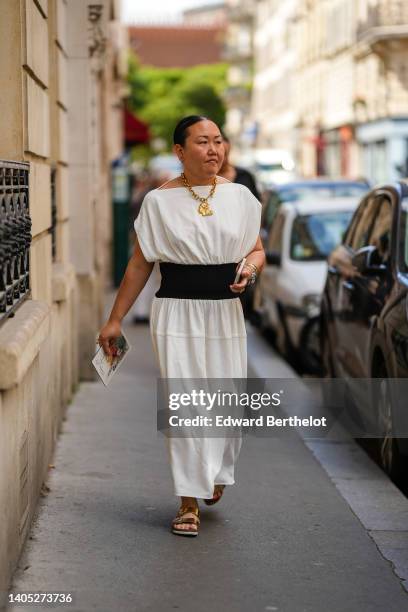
{"x": 181, "y": 519}
{"x": 218, "y": 491}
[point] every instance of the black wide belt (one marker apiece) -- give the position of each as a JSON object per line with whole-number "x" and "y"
{"x": 196, "y": 281}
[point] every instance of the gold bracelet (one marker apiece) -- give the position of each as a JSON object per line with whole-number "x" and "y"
{"x": 253, "y": 266}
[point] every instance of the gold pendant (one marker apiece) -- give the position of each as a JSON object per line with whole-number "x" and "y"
{"x": 205, "y": 210}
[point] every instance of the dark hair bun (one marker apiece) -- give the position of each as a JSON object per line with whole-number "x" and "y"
{"x": 180, "y": 131}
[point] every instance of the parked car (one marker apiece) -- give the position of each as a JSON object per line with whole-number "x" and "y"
{"x": 288, "y": 292}
{"x": 307, "y": 189}
{"x": 364, "y": 316}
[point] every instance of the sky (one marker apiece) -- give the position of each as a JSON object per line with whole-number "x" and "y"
{"x": 158, "y": 10}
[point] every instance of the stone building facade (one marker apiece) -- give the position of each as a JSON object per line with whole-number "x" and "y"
{"x": 338, "y": 86}
{"x": 380, "y": 99}
{"x": 205, "y": 14}
{"x": 239, "y": 53}
{"x": 178, "y": 45}
{"x": 62, "y": 69}
{"x": 274, "y": 78}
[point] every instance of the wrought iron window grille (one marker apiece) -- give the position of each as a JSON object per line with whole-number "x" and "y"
{"x": 15, "y": 236}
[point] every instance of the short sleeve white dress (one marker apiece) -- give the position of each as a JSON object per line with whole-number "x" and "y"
{"x": 199, "y": 338}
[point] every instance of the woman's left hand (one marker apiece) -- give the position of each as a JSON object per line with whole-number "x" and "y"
{"x": 241, "y": 286}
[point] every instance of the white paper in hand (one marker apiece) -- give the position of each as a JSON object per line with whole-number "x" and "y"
{"x": 105, "y": 365}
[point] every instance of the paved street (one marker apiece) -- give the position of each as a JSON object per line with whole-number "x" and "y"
{"x": 283, "y": 538}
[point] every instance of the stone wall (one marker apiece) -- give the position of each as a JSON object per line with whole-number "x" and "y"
{"x": 53, "y": 90}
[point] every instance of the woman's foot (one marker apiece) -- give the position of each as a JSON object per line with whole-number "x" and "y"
{"x": 218, "y": 491}
{"x": 187, "y": 519}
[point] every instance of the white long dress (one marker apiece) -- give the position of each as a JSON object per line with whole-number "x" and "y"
{"x": 199, "y": 338}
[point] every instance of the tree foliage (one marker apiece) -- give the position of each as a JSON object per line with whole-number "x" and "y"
{"x": 162, "y": 96}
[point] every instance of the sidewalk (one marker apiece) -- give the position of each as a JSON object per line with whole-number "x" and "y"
{"x": 283, "y": 538}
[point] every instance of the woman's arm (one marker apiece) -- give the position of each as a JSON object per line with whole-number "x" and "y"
{"x": 256, "y": 257}
{"x": 136, "y": 275}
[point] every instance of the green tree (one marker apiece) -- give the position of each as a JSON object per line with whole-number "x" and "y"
{"x": 162, "y": 96}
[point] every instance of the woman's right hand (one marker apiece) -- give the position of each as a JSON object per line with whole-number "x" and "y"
{"x": 107, "y": 336}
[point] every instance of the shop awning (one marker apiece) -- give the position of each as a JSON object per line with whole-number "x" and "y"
{"x": 136, "y": 132}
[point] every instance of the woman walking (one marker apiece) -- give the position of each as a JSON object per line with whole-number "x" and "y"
{"x": 199, "y": 226}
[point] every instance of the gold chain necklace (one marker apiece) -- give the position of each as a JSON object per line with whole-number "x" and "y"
{"x": 204, "y": 207}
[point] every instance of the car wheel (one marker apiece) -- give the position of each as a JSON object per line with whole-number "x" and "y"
{"x": 282, "y": 338}
{"x": 325, "y": 348}
{"x": 309, "y": 354}
{"x": 389, "y": 456}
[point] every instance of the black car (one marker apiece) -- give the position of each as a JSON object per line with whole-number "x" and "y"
{"x": 364, "y": 313}
{"x": 307, "y": 189}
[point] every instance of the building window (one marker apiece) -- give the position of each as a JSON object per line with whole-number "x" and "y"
{"x": 15, "y": 236}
